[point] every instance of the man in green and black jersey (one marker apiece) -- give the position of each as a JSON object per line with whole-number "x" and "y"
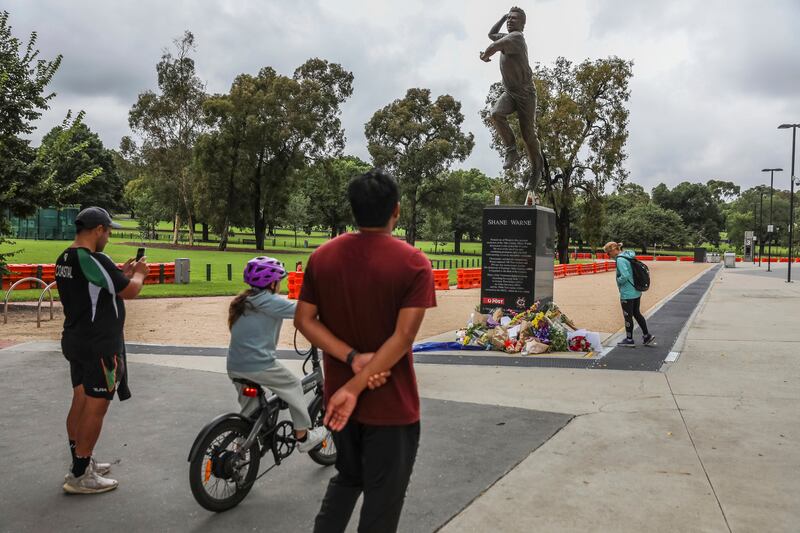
{"x": 92, "y": 289}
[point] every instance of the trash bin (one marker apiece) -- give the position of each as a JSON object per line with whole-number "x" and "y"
{"x": 182, "y": 269}
{"x": 730, "y": 260}
{"x": 699, "y": 255}
{"x": 713, "y": 257}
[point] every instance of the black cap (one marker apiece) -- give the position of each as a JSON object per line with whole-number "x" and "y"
{"x": 91, "y": 217}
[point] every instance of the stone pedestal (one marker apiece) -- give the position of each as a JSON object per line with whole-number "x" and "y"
{"x": 518, "y": 246}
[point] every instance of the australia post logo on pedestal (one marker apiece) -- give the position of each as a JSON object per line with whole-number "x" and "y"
{"x": 494, "y": 301}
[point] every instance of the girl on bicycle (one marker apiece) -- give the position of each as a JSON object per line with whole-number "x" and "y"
{"x": 255, "y": 318}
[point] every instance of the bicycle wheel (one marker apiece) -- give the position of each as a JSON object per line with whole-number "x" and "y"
{"x": 325, "y": 453}
{"x": 222, "y": 474}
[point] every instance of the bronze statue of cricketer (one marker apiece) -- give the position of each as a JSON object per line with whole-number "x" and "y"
{"x": 519, "y": 95}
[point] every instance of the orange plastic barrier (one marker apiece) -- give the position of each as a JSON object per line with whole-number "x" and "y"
{"x": 154, "y": 275}
{"x": 666, "y": 258}
{"x": 441, "y": 279}
{"x": 468, "y": 278}
{"x": 295, "y": 282}
{"x": 559, "y": 271}
{"x": 47, "y": 273}
{"x": 644, "y": 257}
{"x": 687, "y": 258}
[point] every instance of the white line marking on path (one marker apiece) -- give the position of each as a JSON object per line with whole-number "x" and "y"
{"x": 672, "y": 357}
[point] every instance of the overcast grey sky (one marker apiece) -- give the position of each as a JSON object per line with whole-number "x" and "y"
{"x": 712, "y": 78}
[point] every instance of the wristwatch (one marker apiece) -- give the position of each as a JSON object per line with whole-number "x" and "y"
{"x": 351, "y": 356}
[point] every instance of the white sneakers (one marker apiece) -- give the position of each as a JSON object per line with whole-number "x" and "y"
{"x": 314, "y": 438}
{"x": 91, "y": 482}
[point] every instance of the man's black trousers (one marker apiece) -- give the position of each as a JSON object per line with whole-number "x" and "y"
{"x": 375, "y": 460}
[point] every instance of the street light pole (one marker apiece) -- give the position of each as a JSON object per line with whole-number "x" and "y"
{"x": 772, "y": 172}
{"x": 760, "y": 225}
{"x": 791, "y": 197}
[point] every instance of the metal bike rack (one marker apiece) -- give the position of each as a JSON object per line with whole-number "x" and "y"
{"x": 23, "y": 280}
{"x": 39, "y": 305}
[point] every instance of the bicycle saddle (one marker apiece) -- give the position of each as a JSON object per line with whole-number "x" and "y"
{"x": 246, "y": 382}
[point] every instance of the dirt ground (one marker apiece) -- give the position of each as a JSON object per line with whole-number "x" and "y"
{"x": 591, "y": 301}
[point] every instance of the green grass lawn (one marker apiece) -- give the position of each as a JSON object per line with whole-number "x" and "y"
{"x": 45, "y": 252}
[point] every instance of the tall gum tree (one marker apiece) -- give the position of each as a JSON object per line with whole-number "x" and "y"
{"x": 297, "y": 123}
{"x": 169, "y": 123}
{"x": 417, "y": 139}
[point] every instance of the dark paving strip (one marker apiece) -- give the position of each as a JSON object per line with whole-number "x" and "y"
{"x": 666, "y": 324}
{"x": 465, "y": 448}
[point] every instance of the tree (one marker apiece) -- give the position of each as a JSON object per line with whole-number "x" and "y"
{"x": 129, "y": 166}
{"x": 436, "y": 228}
{"x": 74, "y": 159}
{"x": 647, "y": 224}
{"x": 288, "y": 122}
{"x": 325, "y": 184}
{"x": 582, "y": 126}
{"x": 23, "y": 80}
{"x": 743, "y": 214}
{"x": 143, "y": 199}
{"x": 221, "y": 187}
{"x": 697, "y": 207}
{"x": 723, "y": 191}
{"x": 297, "y": 212}
{"x": 471, "y": 191}
{"x": 592, "y": 220}
{"x": 417, "y": 140}
{"x": 627, "y": 196}
{"x": 169, "y": 124}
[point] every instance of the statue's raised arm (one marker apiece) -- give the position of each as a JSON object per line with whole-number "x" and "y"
{"x": 494, "y": 33}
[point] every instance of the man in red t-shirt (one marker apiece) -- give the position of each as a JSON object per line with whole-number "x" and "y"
{"x": 363, "y": 299}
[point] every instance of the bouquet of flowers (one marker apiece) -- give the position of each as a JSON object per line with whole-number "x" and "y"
{"x": 558, "y": 339}
{"x": 580, "y": 343}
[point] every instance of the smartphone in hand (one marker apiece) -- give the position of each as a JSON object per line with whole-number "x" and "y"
{"x": 139, "y": 253}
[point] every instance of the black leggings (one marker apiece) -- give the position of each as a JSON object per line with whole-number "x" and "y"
{"x": 630, "y": 310}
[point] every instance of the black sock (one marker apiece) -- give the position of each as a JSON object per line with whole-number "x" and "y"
{"x": 72, "y": 449}
{"x": 79, "y": 465}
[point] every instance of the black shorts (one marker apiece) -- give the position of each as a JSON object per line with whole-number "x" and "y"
{"x": 98, "y": 372}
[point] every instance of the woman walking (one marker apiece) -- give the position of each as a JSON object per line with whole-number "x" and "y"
{"x": 630, "y": 297}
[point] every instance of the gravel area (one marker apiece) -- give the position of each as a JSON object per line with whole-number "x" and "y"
{"x": 591, "y": 301}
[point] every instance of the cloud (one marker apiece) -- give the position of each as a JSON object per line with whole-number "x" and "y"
{"x": 712, "y": 80}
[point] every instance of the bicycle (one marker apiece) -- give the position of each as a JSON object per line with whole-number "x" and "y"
{"x": 225, "y": 458}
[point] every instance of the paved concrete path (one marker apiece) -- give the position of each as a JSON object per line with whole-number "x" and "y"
{"x": 708, "y": 445}
{"x": 465, "y": 447}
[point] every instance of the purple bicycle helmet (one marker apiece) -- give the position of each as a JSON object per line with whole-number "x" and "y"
{"x": 262, "y": 271}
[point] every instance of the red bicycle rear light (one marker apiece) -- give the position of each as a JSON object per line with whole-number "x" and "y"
{"x": 250, "y": 392}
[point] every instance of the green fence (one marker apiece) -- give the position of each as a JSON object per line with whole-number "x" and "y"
{"x": 46, "y": 225}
